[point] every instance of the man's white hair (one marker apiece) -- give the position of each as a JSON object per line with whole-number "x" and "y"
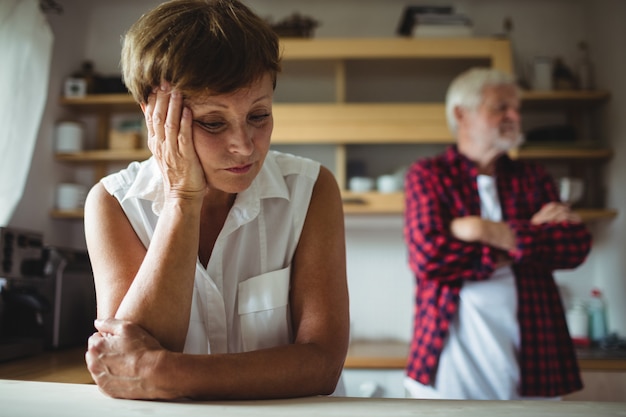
{"x": 466, "y": 90}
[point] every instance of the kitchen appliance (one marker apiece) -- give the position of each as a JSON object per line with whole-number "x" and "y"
{"x": 19, "y": 250}
{"x": 48, "y": 302}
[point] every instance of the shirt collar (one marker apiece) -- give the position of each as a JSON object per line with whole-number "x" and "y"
{"x": 455, "y": 157}
{"x": 269, "y": 183}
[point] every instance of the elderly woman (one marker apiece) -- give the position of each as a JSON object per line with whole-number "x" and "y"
{"x": 219, "y": 265}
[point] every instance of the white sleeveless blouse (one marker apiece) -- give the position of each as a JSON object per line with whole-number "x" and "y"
{"x": 240, "y": 300}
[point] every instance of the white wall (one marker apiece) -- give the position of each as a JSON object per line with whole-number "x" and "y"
{"x": 380, "y": 282}
{"x": 605, "y": 20}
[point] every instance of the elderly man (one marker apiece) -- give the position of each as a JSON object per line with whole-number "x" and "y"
{"x": 485, "y": 234}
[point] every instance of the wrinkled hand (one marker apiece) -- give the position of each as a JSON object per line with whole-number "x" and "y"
{"x": 120, "y": 357}
{"x": 170, "y": 140}
{"x": 555, "y": 212}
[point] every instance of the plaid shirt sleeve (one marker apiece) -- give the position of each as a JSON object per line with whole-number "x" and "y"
{"x": 551, "y": 246}
{"x": 431, "y": 204}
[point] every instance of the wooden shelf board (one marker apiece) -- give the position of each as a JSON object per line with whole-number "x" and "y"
{"x": 375, "y": 203}
{"x": 596, "y": 214}
{"x": 527, "y": 95}
{"x": 533, "y": 96}
{"x": 104, "y": 155}
{"x": 381, "y": 48}
{"x": 360, "y": 123}
{"x": 102, "y": 102}
{"x": 67, "y": 214}
{"x": 539, "y": 152}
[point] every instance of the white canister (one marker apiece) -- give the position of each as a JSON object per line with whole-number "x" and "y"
{"x": 68, "y": 137}
{"x": 578, "y": 320}
{"x": 70, "y": 196}
{"x": 542, "y": 73}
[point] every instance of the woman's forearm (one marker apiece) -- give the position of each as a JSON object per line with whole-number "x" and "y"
{"x": 288, "y": 371}
{"x": 159, "y": 299}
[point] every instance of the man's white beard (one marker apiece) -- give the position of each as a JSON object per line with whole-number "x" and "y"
{"x": 491, "y": 138}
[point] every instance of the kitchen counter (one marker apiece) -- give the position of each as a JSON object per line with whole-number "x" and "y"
{"x": 69, "y": 365}
{"x": 391, "y": 354}
{"x": 66, "y": 365}
{"x": 22, "y": 399}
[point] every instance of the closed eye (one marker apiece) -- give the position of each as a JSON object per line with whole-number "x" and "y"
{"x": 212, "y": 127}
{"x": 259, "y": 118}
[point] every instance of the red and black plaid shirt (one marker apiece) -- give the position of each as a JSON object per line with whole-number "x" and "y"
{"x": 443, "y": 188}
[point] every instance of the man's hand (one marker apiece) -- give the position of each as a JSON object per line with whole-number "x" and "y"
{"x": 477, "y": 229}
{"x": 467, "y": 229}
{"x": 555, "y": 212}
{"x": 120, "y": 358}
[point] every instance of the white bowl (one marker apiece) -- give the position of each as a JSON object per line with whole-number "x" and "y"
{"x": 361, "y": 184}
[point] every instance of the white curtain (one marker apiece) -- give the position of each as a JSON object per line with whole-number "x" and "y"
{"x": 25, "y": 53}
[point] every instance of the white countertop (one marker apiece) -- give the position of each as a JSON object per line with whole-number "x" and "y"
{"x": 50, "y": 399}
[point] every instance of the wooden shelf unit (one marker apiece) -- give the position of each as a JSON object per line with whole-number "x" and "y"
{"x": 342, "y": 123}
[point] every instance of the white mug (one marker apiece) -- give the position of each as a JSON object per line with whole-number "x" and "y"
{"x": 571, "y": 190}
{"x": 70, "y": 196}
{"x": 387, "y": 184}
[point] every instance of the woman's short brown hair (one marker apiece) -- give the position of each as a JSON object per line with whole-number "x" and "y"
{"x": 198, "y": 46}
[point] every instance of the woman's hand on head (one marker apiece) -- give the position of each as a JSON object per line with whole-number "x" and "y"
{"x": 170, "y": 139}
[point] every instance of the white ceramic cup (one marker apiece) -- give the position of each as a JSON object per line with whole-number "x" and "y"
{"x": 387, "y": 184}
{"x": 571, "y": 190}
{"x": 70, "y": 196}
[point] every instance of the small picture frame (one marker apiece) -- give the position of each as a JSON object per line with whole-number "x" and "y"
{"x": 75, "y": 87}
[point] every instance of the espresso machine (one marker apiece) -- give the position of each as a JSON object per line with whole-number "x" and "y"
{"x": 47, "y": 296}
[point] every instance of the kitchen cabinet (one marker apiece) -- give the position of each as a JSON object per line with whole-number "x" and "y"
{"x": 376, "y": 368}
{"x": 346, "y": 121}
{"x": 601, "y": 386}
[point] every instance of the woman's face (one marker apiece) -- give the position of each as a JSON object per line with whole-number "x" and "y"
{"x": 231, "y": 134}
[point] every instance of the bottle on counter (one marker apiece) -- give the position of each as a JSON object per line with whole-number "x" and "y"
{"x": 578, "y": 323}
{"x": 597, "y": 316}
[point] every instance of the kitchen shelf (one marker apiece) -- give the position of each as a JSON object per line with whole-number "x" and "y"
{"x": 376, "y": 203}
{"x": 564, "y": 98}
{"x": 104, "y": 155}
{"x": 102, "y": 102}
{"x": 589, "y": 215}
{"x": 498, "y": 51}
{"x": 126, "y": 102}
{"x": 67, "y": 214}
{"x": 342, "y": 123}
{"x": 393, "y": 203}
{"x": 561, "y": 152}
{"x": 359, "y": 123}
{"x": 373, "y": 203}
